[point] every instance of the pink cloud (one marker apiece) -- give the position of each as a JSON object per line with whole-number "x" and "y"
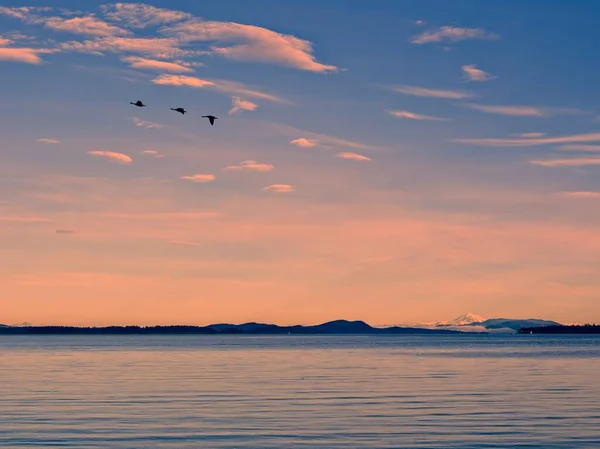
{"x": 582, "y": 194}
{"x": 279, "y": 188}
{"x": 353, "y": 157}
{"x": 591, "y": 137}
{"x": 20, "y": 219}
{"x": 252, "y": 43}
{"x": 144, "y": 124}
{"x": 305, "y": 143}
{"x": 199, "y": 177}
{"x": 432, "y": 93}
{"x": 220, "y": 85}
{"x": 239, "y": 105}
{"x": 575, "y": 162}
{"x": 250, "y": 166}
{"x": 152, "y": 64}
{"x": 139, "y": 15}
{"x": 26, "y": 55}
{"x": 112, "y": 156}
{"x": 453, "y": 34}
{"x": 519, "y": 111}
{"x": 165, "y": 48}
{"x": 474, "y": 74}
{"x": 88, "y": 25}
{"x": 414, "y": 116}
{"x": 47, "y": 140}
{"x": 585, "y": 148}
{"x": 182, "y": 243}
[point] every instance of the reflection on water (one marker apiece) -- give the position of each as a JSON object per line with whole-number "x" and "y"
{"x": 300, "y": 392}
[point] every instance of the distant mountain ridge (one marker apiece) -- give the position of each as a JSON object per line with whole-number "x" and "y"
{"x": 337, "y": 327}
{"x": 471, "y": 320}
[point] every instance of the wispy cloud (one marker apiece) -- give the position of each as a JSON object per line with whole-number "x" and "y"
{"x": 433, "y": 93}
{"x": 166, "y": 215}
{"x": 472, "y": 73}
{"x": 88, "y": 25}
{"x": 279, "y": 188}
{"x": 152, "y": 64}
{"x": 530, "y": 142}
{"x": 575, "y": 162}
{"x": 305, "y": 143}
{"x": 584, "y": 148}
{"x": 153, "y": 153}
{"x": 4, "y": 42}
{"x": 453, "y": 34}
{"x": 64, "y": 231}
{"x": 519, "y": 111}
{"x": 112, "y": 156}
{"x": 144, "y": 124}
{"x": 250, "y": 166}
{"x": 581, "y": 194}
{"x": 239, "y": 105}
{"x": 22, "y": 219}
{"x": 530, "y": 135}
{"x": 414, "y": 116}
{"x": 251, "y": 43}
{"x": 24, "y": 13}
{"x": 353, "y": 157}
{"x": 229, "y": 87}
{"x": 166, "y": 48}
{"x": 199, "y": 177}
{"x": 182, "y": 243}
{"x": 139, "y": 15}
{"x": 47, "y": 140}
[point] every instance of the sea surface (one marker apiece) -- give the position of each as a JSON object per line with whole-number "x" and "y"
{"x": 466, "y": 391}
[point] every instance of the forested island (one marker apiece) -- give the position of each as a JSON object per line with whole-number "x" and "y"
{"x": 563, "y": 329}
{"x": 339, "y": 327}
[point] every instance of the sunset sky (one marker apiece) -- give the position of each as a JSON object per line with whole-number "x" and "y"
{"x": 390, "y": 161}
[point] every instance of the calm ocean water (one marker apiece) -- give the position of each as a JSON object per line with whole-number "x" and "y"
{"x": 300, "y": 392}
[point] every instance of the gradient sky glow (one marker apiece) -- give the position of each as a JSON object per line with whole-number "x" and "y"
{"x": 396, "y": 162}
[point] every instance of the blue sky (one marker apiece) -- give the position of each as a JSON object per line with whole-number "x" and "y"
{"x": 434, "y": 157}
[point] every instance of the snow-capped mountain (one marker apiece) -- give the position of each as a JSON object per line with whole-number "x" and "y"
{"x": 463, "y": 320}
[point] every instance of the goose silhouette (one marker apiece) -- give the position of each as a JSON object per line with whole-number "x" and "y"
{"x": 138, "y": 103}
{"x": 211, "y": 119}
{"x": 180, "y": 110}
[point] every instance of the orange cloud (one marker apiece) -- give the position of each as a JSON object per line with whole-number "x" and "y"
{"x": 414, "y": 116}
{"x": 251, "y": 43}
{"x": 26, "y": 55}
{"x": 353, "y": 157}
{"x": 199, "y": 178}
{"x": 85, "y": 25}
{"x": 230, "y": 87}
{"x": 152, "y": 64}
{"x": 582, "y": 194}
{"x": 250, "y": 166}
{"x": 279, "y": 188}
{"x": 239, "y": 105}
{"x": 433, "y": 93}
{"x": 305, "y": 143}
{"x": 453, "y": 34}
{"x": 112, "y": 156}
